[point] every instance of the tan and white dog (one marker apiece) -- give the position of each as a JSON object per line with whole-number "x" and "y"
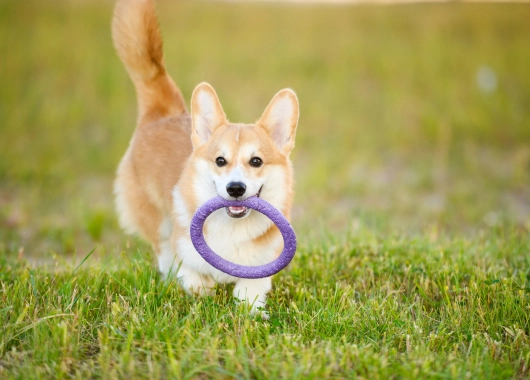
{"x": 177, "y": 160}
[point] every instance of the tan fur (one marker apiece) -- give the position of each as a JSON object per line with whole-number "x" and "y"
{"x": 139, "y": 44}
{"x": 161, "y": 140}
{"x": 170, "y": 168}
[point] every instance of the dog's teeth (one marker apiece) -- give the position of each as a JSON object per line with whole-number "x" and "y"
{"x": 237, "y": 209}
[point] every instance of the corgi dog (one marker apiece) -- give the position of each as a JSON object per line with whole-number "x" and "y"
{"x": 177, "y": 160}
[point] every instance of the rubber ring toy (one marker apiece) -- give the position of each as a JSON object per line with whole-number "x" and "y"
{"x": 236, "y": 270}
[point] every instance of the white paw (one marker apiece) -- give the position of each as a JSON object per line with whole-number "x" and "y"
{"x": 196, "y": 288}
{"x": 259, "y": 312}
{"x": 252, "y": 309}
{"x": 195, "y": 284}
{"x": 253, "y": 293}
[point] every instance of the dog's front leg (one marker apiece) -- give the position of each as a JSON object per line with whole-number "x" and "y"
{"x": 194, "y": 283}
{"x": 254, "y": 293}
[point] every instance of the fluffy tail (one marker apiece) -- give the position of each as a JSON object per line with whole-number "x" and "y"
{"x": 139, "y": 44}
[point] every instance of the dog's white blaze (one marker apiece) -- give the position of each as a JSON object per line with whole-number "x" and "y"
{"x": 221, "y": 181}
{"x": 236, "y": 175}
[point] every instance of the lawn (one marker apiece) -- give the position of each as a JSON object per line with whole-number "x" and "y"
{"x": 412, "y": 198}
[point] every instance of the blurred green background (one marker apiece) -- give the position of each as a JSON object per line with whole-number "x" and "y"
{"x": 414, "y": 118}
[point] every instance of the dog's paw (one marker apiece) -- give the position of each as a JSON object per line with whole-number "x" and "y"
{"x": 195, "y": 284}
{"x": 252, "y": 310}
{"x": 253, "y": 293}
{"x": 259, "y": 312}
{"x": 200, "y": 291}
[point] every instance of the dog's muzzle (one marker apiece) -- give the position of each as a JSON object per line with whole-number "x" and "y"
{"x": 240, "y": 211}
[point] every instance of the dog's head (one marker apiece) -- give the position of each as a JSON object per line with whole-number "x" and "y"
{"x": 237, "y": 161}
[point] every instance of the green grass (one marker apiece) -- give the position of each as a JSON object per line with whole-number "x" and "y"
{"x": 412, "y": 205}
{"x": 366, "y": 305}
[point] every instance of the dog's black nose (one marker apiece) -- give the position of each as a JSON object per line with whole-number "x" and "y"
{"x": 236, "y": 189}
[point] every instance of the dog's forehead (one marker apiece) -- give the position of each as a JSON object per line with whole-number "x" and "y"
{"x": 243, "y": 139}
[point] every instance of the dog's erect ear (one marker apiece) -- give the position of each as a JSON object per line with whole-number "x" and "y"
{"x": 281, "y": 118}
{"x": 206, "y": 114}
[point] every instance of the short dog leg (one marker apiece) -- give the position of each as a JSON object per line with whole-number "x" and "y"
{"x": 191, "y": 281}
{"x": 168, "y": 262}
{"x": 254, "y": 292}
{"x": 194, "y": 283}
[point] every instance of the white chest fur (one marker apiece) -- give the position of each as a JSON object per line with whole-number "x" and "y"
{"x": 233, "y": 240}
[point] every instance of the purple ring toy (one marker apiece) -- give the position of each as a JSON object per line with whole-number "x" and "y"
{"x": 243, "y": 271}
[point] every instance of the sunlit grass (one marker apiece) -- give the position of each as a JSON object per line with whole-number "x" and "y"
{"x": 412, "y": 197}
{"x": 363, "y": 305}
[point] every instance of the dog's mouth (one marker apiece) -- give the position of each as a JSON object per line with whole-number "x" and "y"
{"x": 240, "y": 211}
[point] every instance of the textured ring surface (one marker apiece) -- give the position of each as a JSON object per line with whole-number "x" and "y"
{"x": 236, "y": 270}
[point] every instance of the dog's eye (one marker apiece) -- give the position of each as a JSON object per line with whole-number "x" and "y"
{"x": 220, "y": 161}
{"x": 256, "y": 162}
